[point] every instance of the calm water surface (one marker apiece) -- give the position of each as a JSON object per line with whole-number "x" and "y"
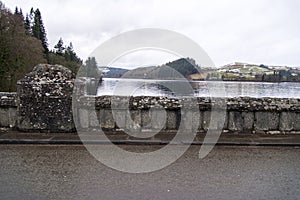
{"x": 142, "y": 87}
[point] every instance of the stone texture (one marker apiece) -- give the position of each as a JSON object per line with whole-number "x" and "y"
{"x": 4, "y": 119}
{"x": 8, "y": 109}
{"x": 84, "y": 118}
{"x": 43, "y": 103}
{"x": 266, "y": 121}
{"x": 106, "y": 119}
{"x": 289, "y": 121}
{"x": 240, "y": 121}
{"x": 297, "y": 122}
{"x": 190, "y": 120}
{"x": 93, "y": 120}
{"x": 172, "y": 120}
{"x": 248, "y": 121}
{"x": 154, "y": 119}
{"x": 133, "y": 121}
{"x": 120, "y": 118}
{"x": 44, "y": 99}
{"x": 235, "y": 121}
{"x": 239, "y": 104}
{"x": 206, "y": 119}
{"x": 220, "y": 120}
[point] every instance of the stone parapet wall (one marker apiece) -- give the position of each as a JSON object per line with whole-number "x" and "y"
{"x": 242, "y": 115}
{"x": 53, "y": 112}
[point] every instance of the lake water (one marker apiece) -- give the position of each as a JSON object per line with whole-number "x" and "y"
{"x": 170, "y": 88}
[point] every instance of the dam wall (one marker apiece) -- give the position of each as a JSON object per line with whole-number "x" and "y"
{"x": 242, "y": 115}
{"x": 45, "y": 102}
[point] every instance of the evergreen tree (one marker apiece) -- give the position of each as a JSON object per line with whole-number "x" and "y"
{"x": 70, "y": 54}
{"x": 19, "y": 13}
{"x": 91, "y": 68}
{"x": 59, "y": 47}
{"x": 65, "y": 56}
{"x": 38, "y": 29}
{"x": 31, "y": 16}
{"x": 27, "y": 25}
{"x": 19, "y": 52}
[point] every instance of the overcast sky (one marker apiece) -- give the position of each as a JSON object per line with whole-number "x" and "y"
{"x": 254, "y": 31}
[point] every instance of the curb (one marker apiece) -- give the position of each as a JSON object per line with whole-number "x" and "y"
{"x": 137, "y": 142}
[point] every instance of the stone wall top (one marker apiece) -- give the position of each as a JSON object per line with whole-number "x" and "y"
{"x": 8, "y": 99}
{"x": 47, "y": 81}
{"x": 239, "y": 103}
{"x": 45, "y": 74}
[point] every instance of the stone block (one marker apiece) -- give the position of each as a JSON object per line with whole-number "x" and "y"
{"x": 266, "y": 121}
{"x": 120, "y": 118}
{"x": 289, "y": 121}
{"x": 44, "y": 99}
{"x": 133, "y": 121}
{"x": 172, "y": 120}
{"x": 93, "y": 119}
{"x": 206, "y": 119}
{"x": 8, "y": 110}
{"x": 240, "y": 121}
{"x": 297, "y": 122}
{"x": 146, "y": 119}
{"x": 248, "y": 121}
{"x": 214, "y": 120}
{"x": 190, "y": 120}
{"x": 106, "y": 119}
{"x": 4, "y": 117}
{"x": 235, "y": 121}
{"x": 154, "y": 119}
{"x": 12, "y": 112}
{"x": 83, "y": 118}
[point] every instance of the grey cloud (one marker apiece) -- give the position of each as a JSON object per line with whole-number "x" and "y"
{"x": 259, "y": 31}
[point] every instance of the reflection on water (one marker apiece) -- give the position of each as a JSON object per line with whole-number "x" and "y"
{"x": 179, "y": 88}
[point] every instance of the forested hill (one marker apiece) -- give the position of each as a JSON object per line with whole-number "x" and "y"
{"x": 112, "y": 72}
{"x": 24, "y": 44}
{"x": 178, "y": 69}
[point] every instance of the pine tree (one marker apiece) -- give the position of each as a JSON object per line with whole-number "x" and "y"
{"x": 91, "y": 67}
{"x": 21, "y": 13}
{"x": 59, "y": 47}
{"x": 27, "y": 25}
{"x": 16, "y": 11}
{"x": 38, "y": 29}
{"x": 19, "y": 52}
{"x": 31, "y": 16}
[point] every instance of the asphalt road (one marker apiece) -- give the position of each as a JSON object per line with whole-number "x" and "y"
{"x": 70, "y": 172}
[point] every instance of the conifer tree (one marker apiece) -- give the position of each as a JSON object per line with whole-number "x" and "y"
{"x": 59, "y": 47}
{"x": 91, "y": 67}
{"x": 19, "y": 52}
{"x": 21, "y": 13}
{"x": 38, "y": 29}
{"x": 27, "y": 25}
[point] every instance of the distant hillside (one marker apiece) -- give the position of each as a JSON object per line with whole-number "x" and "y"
{"x": 187, "y": 68}
{"x": 112, "y": 72}
{"x": 178, "y": 69}
{"x": 141, "y": 72}
{"x": 252, "y": 72}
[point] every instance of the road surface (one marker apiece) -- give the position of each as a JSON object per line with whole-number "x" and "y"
{"x": 228, "y": 172}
